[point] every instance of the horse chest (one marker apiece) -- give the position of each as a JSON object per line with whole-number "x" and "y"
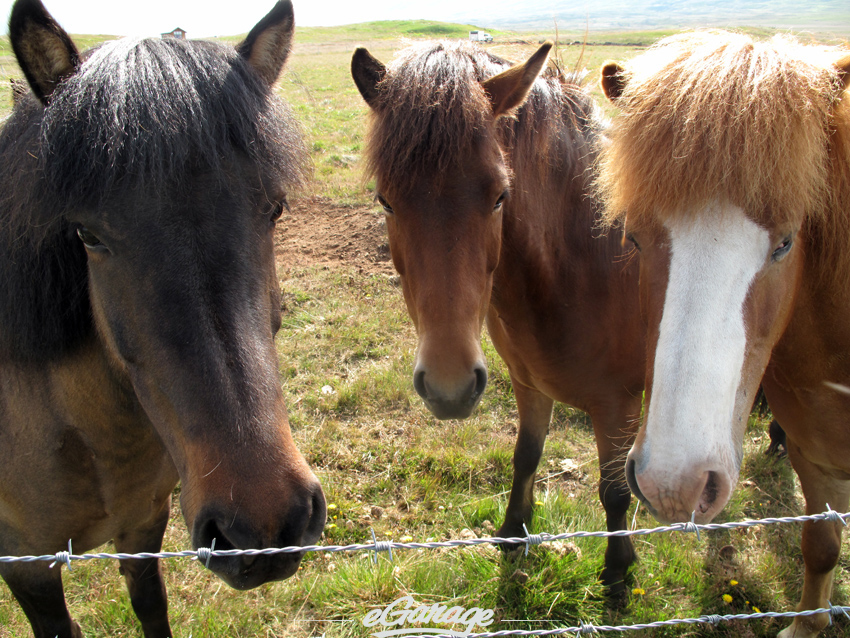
{"x": 68, "y": 472}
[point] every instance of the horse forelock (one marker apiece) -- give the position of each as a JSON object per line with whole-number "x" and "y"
{"x": 432, "y": 111}
{"x": 710, "y": 116}
{"x": 140, "y": 112}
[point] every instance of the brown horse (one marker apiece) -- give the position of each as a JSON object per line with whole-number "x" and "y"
{"x": 730, "y": 168}
{"x": 139, "y": 188}
{"x": 483, "y": 170}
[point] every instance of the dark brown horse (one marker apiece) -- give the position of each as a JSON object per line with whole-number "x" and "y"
{"x": 139, "y": 188}
{"x": 483, "y": 170}
{"x": 730, "y": 168}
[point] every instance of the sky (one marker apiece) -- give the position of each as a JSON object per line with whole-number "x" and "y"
{"x": 204, "y": 18}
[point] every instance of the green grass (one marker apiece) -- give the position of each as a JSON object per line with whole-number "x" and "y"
{"x": 387, "y": 465}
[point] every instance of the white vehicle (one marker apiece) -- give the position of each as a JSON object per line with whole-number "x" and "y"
{"x": 480, "y": 36}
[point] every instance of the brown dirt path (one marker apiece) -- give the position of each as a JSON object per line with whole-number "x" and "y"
{"x": 317, "y": 232}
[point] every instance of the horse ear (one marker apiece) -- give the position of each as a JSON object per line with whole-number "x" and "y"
{"x": 45, "y": 53}
{"x": 613, "y": 81}
{"x": 267, "y": 46}
{"x": 510, "y": 88}
{"x": 844, "y": 70}
{"x": 367, "y": 72}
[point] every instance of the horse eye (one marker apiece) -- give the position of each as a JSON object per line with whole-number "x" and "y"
{"x": 90, "y": 239}
{"x": 631, "y": 238}
{"x": 500, "y": 201}
{"x": 782, "y": 249}
{"x": 386, "y": 206}
{"x": 278, "y": 209}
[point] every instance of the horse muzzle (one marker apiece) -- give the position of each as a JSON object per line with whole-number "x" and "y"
{"x": 455, "y": 400}
{"x": 675, "y": 497}
{"x": 299, "y": 525}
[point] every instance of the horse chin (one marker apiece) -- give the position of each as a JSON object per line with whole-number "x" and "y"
{"x": 248, "y": 572}
{"x": 446, "y": 410}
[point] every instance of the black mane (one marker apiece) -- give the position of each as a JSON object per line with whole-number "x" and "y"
{"x": 140, "y": 114}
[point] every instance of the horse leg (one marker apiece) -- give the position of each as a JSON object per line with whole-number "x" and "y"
{"x": 615, "y": 427}
{"x": 143, "y": 576}
{"x": 38, "y": 589}
{"x": 535, "y": 412}
{"x": 821, "y": 542}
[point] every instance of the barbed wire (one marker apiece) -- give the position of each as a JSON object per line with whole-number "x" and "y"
{"x": 589, "y": 628}
{"x": 204, "y": 554}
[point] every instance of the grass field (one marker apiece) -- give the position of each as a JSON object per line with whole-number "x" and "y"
{"x": 387, "y": 465}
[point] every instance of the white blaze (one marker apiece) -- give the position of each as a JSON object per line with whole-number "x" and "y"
{"x": 715, "y": 255}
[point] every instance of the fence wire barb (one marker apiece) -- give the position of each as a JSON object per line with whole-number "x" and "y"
{"x": 381, "y": 546}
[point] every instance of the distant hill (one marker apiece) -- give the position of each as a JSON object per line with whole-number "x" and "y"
{"x": 824, "y": 16}
{"x": 387, "y": 29}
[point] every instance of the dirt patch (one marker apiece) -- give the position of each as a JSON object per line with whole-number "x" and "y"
{"x": 317, "y": 232}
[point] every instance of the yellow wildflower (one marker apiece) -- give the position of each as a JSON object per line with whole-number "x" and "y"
{"x": 637, "y": 591}
{"x": 406, "y": 538}
{"x": 733, "y": 582}
{"x": 727, "y": 598}
{"x": 756, "y": 609}
{"x": 331, "y": 506}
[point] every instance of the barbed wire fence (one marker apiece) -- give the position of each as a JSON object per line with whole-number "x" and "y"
{"x": 204, "y": 554}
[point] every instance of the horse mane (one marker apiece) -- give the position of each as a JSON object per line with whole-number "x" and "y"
{"x": 432, "y": 109}
{"x": 714, "y": 115}
{"x": 139, "y": 114}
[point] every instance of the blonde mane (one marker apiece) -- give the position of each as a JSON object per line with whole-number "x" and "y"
{"x": 718, "y": 116}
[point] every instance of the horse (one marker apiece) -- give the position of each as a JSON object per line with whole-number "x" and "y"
{"x": 729, "y": 169}
{"x": 483, "y": 170}
{"x": 139, "y": 187}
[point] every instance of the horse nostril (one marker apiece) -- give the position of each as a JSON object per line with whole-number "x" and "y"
{"x": 419, "y": 383}
{"x": 709, "y": 493}
{"x": 209, "y": 530}
{"x": 318, "y": 515}
{"x": 631, "y": 479}
{"x": 480, "y": 382}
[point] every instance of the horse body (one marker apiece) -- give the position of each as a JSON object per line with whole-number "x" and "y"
{"x": 141, "y": 185}
{"x": 489, "y": 218}
{"x": 732, "y": 162}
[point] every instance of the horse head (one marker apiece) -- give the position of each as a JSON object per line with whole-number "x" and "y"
{"x": 724, "y": 193}
{"x": 442, "y": 179}
{"x": 168, "y": 163}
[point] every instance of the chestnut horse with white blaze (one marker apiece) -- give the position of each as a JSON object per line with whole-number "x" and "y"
{"x": 139, "y": 187}
{"x": 484, "y": 172}
{"x": 729, "y": 168}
